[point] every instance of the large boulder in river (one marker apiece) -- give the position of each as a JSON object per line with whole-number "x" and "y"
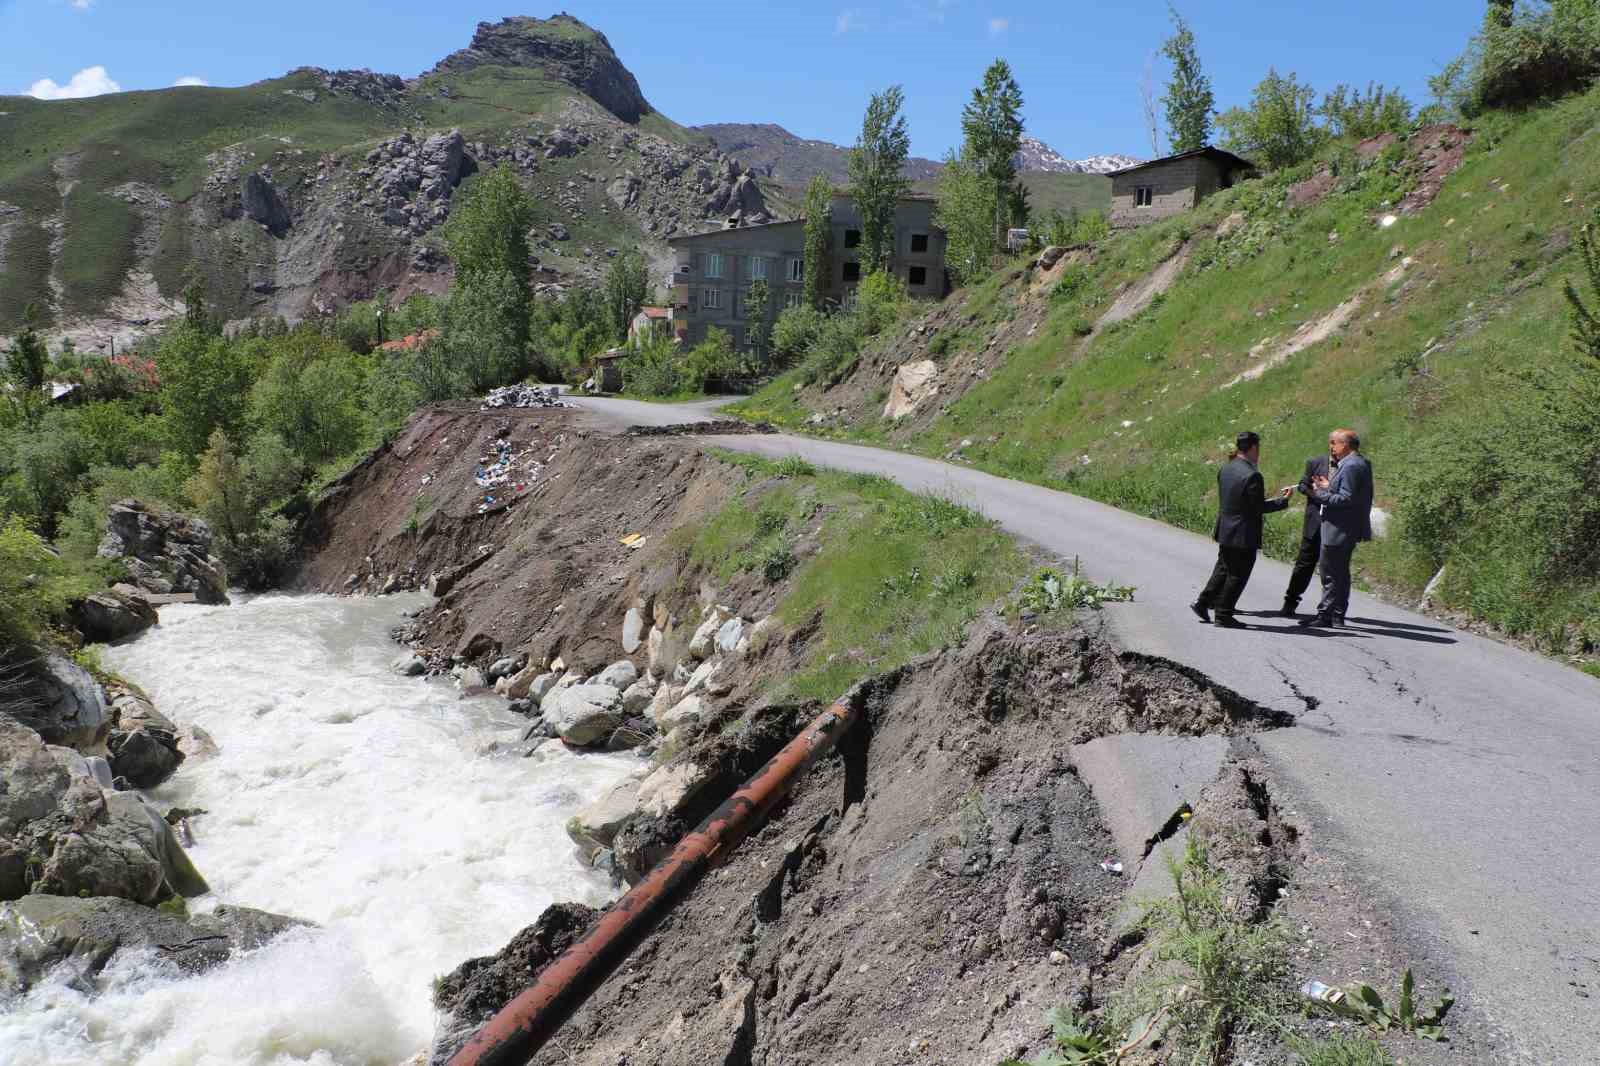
{"x": 474, "y": 992}
{"x": 116, "y": 613}
{"x": 164, "y": 552}
{"x": 62, "y": 832}
{"x": 143, "y": 742}
{"x": 40, "y": 932}
{"x": 584, "y": 714}
{"x": 65, "y": 705}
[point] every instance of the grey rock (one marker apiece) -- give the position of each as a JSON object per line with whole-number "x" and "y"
{"x": 637, "y": 696}
{"x": 541, "y": 686}
{"x": 729, "y": 635}
{"x": 143, "y": 742}
{"x": 471, "y": 677}
{"x": 503, "y": 667}
{"x": 584, "y": 714}
{"x": 71, "y": 709}
{"x": 632, "y": 630}
{"x": 558, "y": 232}
{"x": 62, "y": 833}
{"x": 164, "y": 552}
{"x": 40, "y": 932}
{"x": 619, "y": 675}
{"x": 261, "y": 202}
{"x": 116, "y": 613}
{"x": 409, "y": 665}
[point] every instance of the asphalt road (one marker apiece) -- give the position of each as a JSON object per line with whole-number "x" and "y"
{"x": 1460, "y": 776}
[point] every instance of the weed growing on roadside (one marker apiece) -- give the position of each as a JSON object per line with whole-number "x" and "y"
{"x": 794, "y": 466}
{"x": 1048, "y": 591}
{"x": 1342, "y": 1051}
{"x": 1365, "y": 1005}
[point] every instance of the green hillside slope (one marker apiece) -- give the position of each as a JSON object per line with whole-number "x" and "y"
{"x": 1442, "y": 338}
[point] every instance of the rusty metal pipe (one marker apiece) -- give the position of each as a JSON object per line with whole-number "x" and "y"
{"x": 523, "y": 1026}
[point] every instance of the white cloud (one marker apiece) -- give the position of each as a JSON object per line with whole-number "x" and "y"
{"x": 848, "y": 20}
{"x": 90, "y": 81}
{"x": 998, "y": 26}
{"x": 191, "y": 79}
{"x": 82, "y": 5}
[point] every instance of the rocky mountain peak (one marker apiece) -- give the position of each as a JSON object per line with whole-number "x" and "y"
{"x": 561, "y": 46}
{"x": 1035, "y": 155}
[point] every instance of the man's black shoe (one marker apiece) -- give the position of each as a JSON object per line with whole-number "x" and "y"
{"x": 1337, "y": 621}
{"x": 1200, "y": 612}
{"x": 1321, "y": 621}
{"x": 1228, "y": 621}
{"x": 1291, "y": 609}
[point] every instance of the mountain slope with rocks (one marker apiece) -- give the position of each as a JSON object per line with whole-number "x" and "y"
{"x": 297, "y": 195}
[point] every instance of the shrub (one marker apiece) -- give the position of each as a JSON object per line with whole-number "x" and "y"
{"x": 1350, "y": 113}
{"x": 880, "y": 300}
{"x": 1537, "y": 53}
{"x": 1277, "y": 130}
{"x": 34, "y": 587}
{"x": 795, "y": 331}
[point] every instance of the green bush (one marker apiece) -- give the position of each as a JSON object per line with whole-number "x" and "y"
{"x": 1540, "y": 52}
{"x": 34, "y": 587}
{"x": 795, "y": 331}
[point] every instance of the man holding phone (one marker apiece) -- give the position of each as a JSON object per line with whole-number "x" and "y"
{"x": 1346, "y": 502}
{"x": 1241, "y": 504}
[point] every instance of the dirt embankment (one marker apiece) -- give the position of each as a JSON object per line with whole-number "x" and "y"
{"x": 932, "y": 889}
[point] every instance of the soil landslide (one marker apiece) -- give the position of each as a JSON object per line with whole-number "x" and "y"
{"x": 935, "y": 886}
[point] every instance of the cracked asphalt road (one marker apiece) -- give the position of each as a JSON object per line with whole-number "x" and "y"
{"x": 1459, "y": 776}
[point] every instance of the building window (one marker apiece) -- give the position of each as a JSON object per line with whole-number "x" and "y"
{"x": 1144, "y": 195}
{"x": 852, "y": 272}
{"x": 793, "y": 299}
{"x": 917, "y": 276}
{"x": 758, "y": 268}
{"x": 711, "y": 298}
{"x": 713, "y": 265}
{"x": 852, "y": 238}
{"x": 919, "y": 242}
{"x": 797, "y": 270}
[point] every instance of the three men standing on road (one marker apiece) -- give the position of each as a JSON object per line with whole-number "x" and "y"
{"x": 1241, "y": 504}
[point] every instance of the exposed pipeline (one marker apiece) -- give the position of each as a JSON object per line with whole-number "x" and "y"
{"x": 523, "y": 1026}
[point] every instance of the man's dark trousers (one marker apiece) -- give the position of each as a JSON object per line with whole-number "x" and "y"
{"x": 1335, "y": 563}
{"x": 1305, "y": 563}
{"x": 1228, "y": 579}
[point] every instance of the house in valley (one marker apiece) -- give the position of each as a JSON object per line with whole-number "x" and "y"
{"x": 714, "y": 271}
{"x": 1161, "y": 188}
{"x": 648, "y": 322}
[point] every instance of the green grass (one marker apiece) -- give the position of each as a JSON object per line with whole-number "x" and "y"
{"x": 1138, "y": 415}
{"x": 894, "y": 574}
{"x": 26, "y": 278}
{"x": 97, "y": 258}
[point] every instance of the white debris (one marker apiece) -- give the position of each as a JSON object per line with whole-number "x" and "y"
{"x": 523, "y": 396}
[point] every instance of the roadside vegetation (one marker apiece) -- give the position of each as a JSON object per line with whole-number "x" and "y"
{"x": 1464, "y": 364}
{"x": 884, "y": 575}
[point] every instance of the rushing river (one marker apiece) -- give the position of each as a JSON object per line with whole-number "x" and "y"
{"x": 342, "y": 794}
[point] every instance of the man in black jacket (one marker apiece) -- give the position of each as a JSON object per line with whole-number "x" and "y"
{"x": 1305, "y": 563}
{"x": 1241, "y": 503}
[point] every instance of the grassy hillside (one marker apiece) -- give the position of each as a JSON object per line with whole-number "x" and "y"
{"x": 1458, "y": 318}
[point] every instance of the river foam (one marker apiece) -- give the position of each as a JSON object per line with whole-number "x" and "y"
{"x": 342, "y": 794}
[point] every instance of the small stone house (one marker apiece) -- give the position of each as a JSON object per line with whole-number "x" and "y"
{"x": 1161, "y": 188}
{"x": 649, "y": 321}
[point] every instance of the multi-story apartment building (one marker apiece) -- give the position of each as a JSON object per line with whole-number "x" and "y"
{"x": 714, "y": 271}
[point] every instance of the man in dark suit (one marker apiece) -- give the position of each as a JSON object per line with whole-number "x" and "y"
{"x": 1305, "y": 562}
{"x": 1346, "y": 502}
{"x": 1241, "y": 503}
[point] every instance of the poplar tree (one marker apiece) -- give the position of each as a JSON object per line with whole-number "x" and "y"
{"x": 992, "y": 126}
{"x": 818, "y": 211}
{"x": 1188, "y": 99}
{"x": 877, "y": 179}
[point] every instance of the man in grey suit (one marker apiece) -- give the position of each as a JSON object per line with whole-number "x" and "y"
{"x": 1346, "y": 502}
{"x": 1241, "y": 503}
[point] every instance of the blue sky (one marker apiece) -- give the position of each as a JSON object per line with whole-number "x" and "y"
{"x": 808, "y": 67}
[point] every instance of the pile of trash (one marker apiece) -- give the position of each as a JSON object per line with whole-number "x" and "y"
{"x": 506, "y": 473}
{"x": 523, "y": 396}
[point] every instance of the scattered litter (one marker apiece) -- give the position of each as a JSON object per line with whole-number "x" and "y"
{"x": 633, "y": 540}
{"x": 507, "y": 471}
{"x": 1112, "y": 866}
{"x": 523, "y": 396}
{"x": 1388, "y": 220}
{"x": 1321, "y": 993}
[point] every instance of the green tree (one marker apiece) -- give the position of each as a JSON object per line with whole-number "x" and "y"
{"x": 1188, "y": 99}
{"x": 487, "y": 237}
{"x": 27, "y": 368}
{"x": 1278, "y": 129}
{"x": 817, "y": 264}
{"x": 311, "y": 399}
{"x": 1349, "y": 112}
{"x": 991, "y": 127}
{"x": 627, "y": 285}
{"x": 758, "y": 312}
{"x": 488, "y": 228}
{"x": 965, "y": 213}
{"x": 1586, "y": 317}
{"x": 877, "y": 180}
{"x": 205, "y": 386}
{"x": 486, "y": 329}
{"x": 235, "y": 495}
{"x": 1501, "y": 14}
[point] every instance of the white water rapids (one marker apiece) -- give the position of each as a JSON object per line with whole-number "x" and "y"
{"x": 342, "y": 794}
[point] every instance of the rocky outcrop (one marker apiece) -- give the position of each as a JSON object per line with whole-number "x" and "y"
{"x": 164, "y": 552}
{"x": 470, "y": 994}
{"x": 561, "y": 47}
{"x": 410, "y": 184}
{"x": 116, "y": 613}
{"x": 143, "y": 742}
{"x": 260, "y": 201}
{"x": 66, "y": 706}
{"x": 63, "y": 832}
{"x": 38, "y": 933}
